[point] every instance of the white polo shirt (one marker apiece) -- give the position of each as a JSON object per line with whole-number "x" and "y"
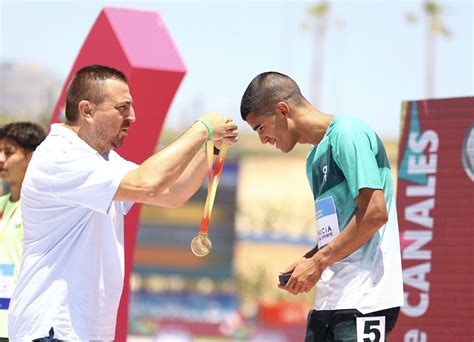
{"x": 71, "y": 276}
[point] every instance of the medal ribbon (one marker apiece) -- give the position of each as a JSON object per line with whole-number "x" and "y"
{"x": 213, "y": 182}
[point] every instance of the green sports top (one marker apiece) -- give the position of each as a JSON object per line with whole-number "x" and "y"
{"x": 11, "y": 246}
{"x": 351, "y": 157}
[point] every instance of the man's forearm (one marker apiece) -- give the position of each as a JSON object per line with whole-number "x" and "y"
{"x": 191, "y": 179}
{"x": 158, "y": 173}
{"x": 163, "y": 168}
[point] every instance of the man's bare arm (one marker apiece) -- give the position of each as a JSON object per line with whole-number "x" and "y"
{"x": 154, "y": 178}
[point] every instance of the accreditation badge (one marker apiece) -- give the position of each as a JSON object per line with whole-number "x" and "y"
{"x": 327, "y": 222}
{"x": 6, "y": 285}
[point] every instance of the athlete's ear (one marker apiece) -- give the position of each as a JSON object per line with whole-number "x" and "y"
{"x": 282, "y": 108}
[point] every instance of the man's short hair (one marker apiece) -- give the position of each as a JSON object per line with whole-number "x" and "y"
{"x": 27, "y": 135}
{"x": 266, "y": 90}
{"x": 85, "y": 85}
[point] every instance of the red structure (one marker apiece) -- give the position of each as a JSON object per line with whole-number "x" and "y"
{"x": 137, "y": 43}
{"x": 435, "y": 202}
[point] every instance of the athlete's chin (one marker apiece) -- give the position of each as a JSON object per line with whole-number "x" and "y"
{"x": 285, "y": 149}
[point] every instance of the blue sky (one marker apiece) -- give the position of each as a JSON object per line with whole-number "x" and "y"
{"x": 372, "y": 62}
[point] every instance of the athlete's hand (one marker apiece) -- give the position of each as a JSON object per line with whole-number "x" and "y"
{"x": 290, "y": 268}
{"x": 305, "y": 275}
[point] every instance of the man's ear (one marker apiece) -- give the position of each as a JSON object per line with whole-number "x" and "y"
{"x": 283, "y": 108}
{"x": 85, "y": 109}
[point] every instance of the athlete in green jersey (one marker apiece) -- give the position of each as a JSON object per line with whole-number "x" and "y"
{"x": 17, "y": 142}
{"x": 356, "y": 264}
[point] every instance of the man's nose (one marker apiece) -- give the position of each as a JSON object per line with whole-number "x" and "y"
{"x": 131, "y": 117}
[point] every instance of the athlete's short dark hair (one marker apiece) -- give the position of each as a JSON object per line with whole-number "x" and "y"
{"x": 27, "y": 135}
{"x": 267, "y": 89}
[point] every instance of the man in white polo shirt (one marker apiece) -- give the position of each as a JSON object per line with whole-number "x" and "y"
{"x": 74, "y": 197}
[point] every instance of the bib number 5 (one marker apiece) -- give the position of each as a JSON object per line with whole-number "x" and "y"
{"x": 371, "y": 329}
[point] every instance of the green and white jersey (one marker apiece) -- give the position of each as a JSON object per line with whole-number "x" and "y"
{"x": 351, "y": 157}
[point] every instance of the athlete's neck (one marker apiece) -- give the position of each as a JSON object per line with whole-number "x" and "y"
{"x": 312, "y": 126}
{"x": 15, "y": 192}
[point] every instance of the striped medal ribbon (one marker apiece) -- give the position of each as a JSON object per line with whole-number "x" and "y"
{"x": 201, "y": 245}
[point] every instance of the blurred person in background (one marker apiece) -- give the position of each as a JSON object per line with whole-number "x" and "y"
{"x": 76, "y": 192}
{"x": 356, "y": 264}
{"x": 17, "y": 143}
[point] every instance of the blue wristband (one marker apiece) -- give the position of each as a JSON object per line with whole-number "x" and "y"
{"x": 208, "y": 126}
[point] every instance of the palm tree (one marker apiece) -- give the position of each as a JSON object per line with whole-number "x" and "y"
{"x": 434, "y": 28}
{"x": 319, "y": 15}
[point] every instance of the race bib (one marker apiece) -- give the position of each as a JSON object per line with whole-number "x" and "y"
{"x": 6, "y": 285}
{"x": 326, "y": 217}
{"x": 371, "y": 329}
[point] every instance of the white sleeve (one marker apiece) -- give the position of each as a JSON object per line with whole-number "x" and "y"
{"x": 126, "y": 205}
{"x": 87, "y": 180}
